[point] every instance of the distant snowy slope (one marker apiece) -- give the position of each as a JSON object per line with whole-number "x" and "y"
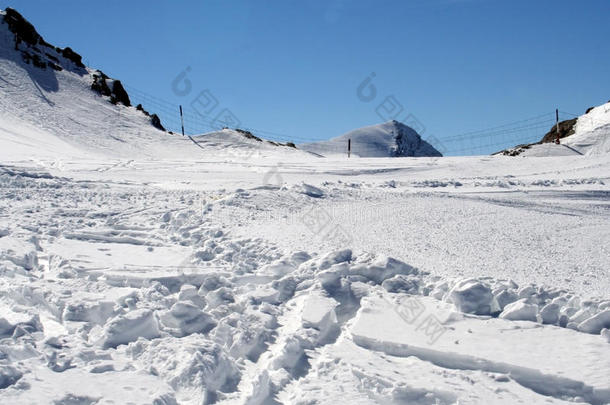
{"x": 592, "y": 131}
{"x": 589, "y": 134}
{"x": 390, "y": 139}
{"x": 241, "y": 143}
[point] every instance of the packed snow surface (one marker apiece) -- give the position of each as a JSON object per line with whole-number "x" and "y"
{"x": 137, "y": 267}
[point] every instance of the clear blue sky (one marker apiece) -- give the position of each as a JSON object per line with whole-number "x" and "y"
{"x": 293, "y": 67}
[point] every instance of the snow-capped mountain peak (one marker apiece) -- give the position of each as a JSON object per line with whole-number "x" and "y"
{"x": 389, "y": 139}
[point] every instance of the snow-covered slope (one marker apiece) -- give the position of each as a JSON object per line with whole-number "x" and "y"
{"x": 49, "y": 96}
{"x": 54, "y": 106}
{"x": 591, "y": 136}
{"x": 390, "y": 139}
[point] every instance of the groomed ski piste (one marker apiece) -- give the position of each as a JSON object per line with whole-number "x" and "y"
{"x": 139, "y": 268}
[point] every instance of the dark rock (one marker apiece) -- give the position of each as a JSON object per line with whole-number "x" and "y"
{"x": 589, "y": 110}
{"x": 566, "y": 128}
{"x": 23, "y": 30}
{"x": 117, "y": 94}
{"x": 248, "y": 134}
{"x": 516, "y": 151}
{"x": 291, "y": 145}
{"x": 99, "y": 84}
{"x": 156, "y": 122}
{"x": 120, "y": 94}
{"x": 69, "y": 54}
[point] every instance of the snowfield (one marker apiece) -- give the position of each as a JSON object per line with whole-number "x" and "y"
{"x": 139, "y": 267}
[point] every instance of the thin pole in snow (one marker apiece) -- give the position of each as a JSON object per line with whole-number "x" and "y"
{"x": 557, "y": 125}
{"x": 182, "y": 120}
{"x": 349, "y": 147}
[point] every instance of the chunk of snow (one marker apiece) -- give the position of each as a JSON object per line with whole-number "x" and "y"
{"x": 505, "y": 297}
{"x": 473, "y": 297}
{"x": 129, "y": 327}
{"x": 310, "y": 190}
{"x": 87, "y": 311}
{"x": 12, "y": 321}
{"x": 520, "y": 311}
{"x": 319, "y": 312}
{"x": 192, "y": 364}
{"x": 190, "y": 293}
{"x": 401, "y": 284}
{"x": 8, "y": 375}
{"x": 337, "y": 257}
{"x": 382, "y": 269}
{"x": 549, "y": 314}
{"x": 606, "y": 334}
{"x": 22, "y": 254}
{"x": 596, "y": 323}
{"x": 184, "y": 318}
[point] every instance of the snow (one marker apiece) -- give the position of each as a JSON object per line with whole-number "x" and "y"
{"x": 129, "y": 327}
{"x": 520, "y": 310}
{"x": 549, "y": 314}
{"x": 569, "y": 366}
{"x": 184, "y": 318}
{"x": 140, "y": 267}
{"x": 473, "y": 297}
{"x": 596, "y": 323}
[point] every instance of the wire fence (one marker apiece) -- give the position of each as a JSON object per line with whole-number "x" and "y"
{"x": 482, "y": 141}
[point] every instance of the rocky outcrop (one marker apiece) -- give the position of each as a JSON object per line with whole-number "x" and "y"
{"x": 154, "y": 118}
{"x": 566, "y": 128}
{"x": 69, "y": 54}
{"x": 23, "y": 30}
{"x": 34, "y": 49}
{"x": 112, "y": 88}
{"x": 248, "y": 134}
{"x": 156, "y": 122}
